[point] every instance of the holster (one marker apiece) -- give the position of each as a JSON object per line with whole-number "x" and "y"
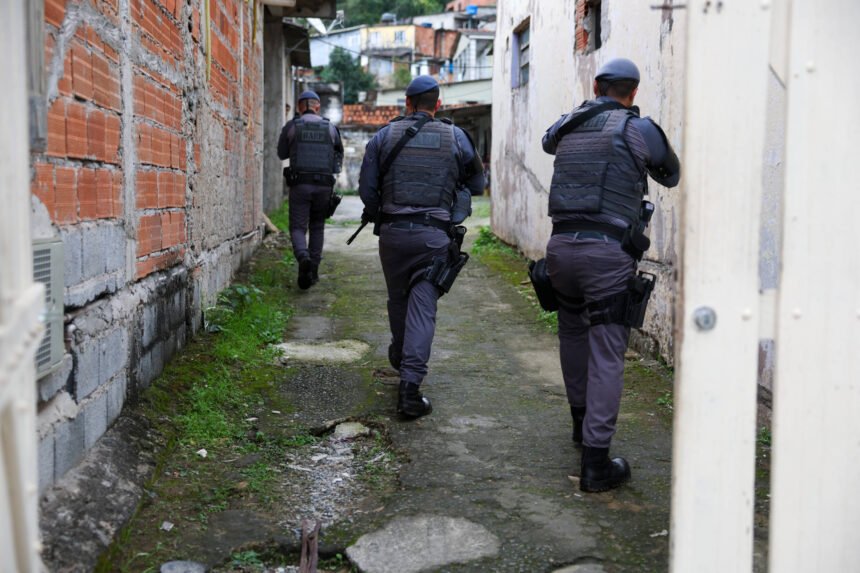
{"x": 640, "y": 288}
{"x": 333, "y": 202}
{"x": 635, "y": 242}
{"x": 543, "y": 288}
{"x": 443, "y": 271}
{"x": 626, "y": 308}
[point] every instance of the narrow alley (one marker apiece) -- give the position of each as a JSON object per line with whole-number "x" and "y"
{"x": 480, "y": 485}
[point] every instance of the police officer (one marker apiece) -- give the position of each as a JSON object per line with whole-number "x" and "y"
{"x": 416, "y": 182}
{"x": 604, "y": 153}
{"x": 314, "y": 148}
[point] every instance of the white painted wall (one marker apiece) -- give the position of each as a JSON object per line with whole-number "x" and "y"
{"x": 477, "y": 91}
{"x": 561, "y": 79}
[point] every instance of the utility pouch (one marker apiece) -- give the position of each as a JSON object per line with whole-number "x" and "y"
{"x": 543, "y": 288}
{"x": 333, "y": 202}
{"x": 458, "y": 232}
{"x": 640, "y": 288}
{"x": 635, "y": 242}
{"x": 288, "y": 175}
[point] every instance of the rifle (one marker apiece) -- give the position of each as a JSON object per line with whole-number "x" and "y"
{"x": 364, "y": 222}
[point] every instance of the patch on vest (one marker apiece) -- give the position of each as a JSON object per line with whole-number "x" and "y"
{"x": 596, "y": 123}
{"x": 426, "y": 141}
{"x": 312, "y": 136}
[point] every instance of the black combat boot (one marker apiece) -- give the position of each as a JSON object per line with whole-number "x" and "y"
{"x": 411, "y": 403}
{"x": 306, "y": 267}
{"x": 315, "y": 274}
{"x": 599, "y": 473}
{"x": 578, "y": 415}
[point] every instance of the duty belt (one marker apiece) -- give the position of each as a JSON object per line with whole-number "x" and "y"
{"x": 313, "y": 179}
{"x": 416, "y": 219}
{"x": 608, "y": 229}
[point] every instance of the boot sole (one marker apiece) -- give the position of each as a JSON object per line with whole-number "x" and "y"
{"x": 413, "y": 416}
{"x": 600, "y": 486}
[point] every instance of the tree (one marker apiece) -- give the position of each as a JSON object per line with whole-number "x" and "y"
{"x": 369, "y": 11}
{"x": 348, "y": 71}
{"x": 402, "y": 76}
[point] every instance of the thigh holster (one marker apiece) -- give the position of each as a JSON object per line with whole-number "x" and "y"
{"x": 626, "y": 308}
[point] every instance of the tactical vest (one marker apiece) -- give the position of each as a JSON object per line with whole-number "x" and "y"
{"x": 595, "y": 171}
{"x": 425, "y": 172}
{"x": 313, "y": 148}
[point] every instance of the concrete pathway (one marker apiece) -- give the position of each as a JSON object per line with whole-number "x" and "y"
{"x": 484, "y": 485}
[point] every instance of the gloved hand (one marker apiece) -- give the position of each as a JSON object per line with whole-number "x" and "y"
{"x": 367, "y": 217}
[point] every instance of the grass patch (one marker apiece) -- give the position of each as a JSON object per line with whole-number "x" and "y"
{"x": 480, "y": 207}
{"x": 210, "y": 396}
{"x": 511, "y": 265}
{"x": 281, "y": 217}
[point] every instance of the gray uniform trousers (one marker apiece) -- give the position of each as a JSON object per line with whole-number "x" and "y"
{"x": 405, "y": 253}
{"x": 592, "y": 357}
{"x": 308, "y": 208}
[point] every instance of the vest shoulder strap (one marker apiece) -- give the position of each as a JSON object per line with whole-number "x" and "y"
{"x": 586, "y": 115}
{"x": 410, "y": 132}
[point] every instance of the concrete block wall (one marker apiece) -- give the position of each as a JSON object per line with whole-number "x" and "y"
{"x": 152, "y": 179}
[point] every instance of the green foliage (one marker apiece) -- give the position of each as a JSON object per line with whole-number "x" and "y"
{"x": 281, "y": 217}
{"x": 402, "y": 77}
{"x": 369, "y": 11}
{"x": 666, "y": 400}
{"x": 247, "y": 559}
{"x": 348, "y": 71}
{"x": 513, "y": 267}
{"x": 764, "y": 436}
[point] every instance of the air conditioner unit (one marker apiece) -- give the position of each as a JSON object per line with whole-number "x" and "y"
{"x": 48, "y": 268}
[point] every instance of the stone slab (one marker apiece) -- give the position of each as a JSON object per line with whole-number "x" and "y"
{"x": 423, "y": 543}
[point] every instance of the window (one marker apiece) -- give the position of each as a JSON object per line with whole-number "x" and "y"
{"x": 374, "y": 39}
{"x": 520, "y": 56}
{"x": 400, "y": 37}
{"x": 588, "y": 32}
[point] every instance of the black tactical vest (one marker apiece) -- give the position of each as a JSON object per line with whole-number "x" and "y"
{"x": 425, "y": 172}
{"x": 313, "y": 148}
{"x": 595, "y": 171}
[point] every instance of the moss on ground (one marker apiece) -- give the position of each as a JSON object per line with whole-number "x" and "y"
{"x": 513, "y": 267}
{"x": 202, "y": 400}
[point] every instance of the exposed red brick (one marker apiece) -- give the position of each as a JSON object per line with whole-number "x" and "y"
{"x": 43, "y": 185}
{"x": 147, "y": 190}
{"x": 65, "y": 195}
{"x": 148, "y": 235}
{"x": 116, "y": 193}
{"x": 76, "y": 130}
{"x": 55, "y": 11}
{"x": 82, "y": 72}
{"x": 144, "y": 143}
{"x": 57, "y": 128}
{"x": 173, "y": 229}
{"x": 104, "y": 194}
{"x": 112, "y": 137}
{"x": 64, "y": 83}
{"x": 370, "y": 116}
{"x": 96, "y": 135}
{"x": 87, "y": 194}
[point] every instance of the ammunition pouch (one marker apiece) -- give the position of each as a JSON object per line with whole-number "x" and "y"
{"x": 626, "y": 308}
{"x": 543, "y": 288}
{"x": 333, "y": 202}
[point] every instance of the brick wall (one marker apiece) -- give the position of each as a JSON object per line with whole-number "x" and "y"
{"x": 368, "y": 115}
{"x": 152, "y": 178}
